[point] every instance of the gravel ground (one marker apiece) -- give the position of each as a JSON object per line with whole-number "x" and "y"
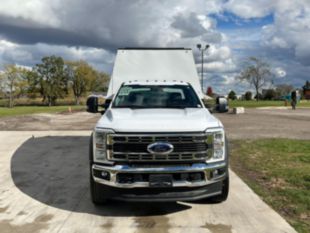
{"x": 47, "y": 121}
{"x": 267, "y": 123}
{"x": 254, "y": 123}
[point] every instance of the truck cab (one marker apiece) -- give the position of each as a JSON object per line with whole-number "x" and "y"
{"x": 156, "y": 141}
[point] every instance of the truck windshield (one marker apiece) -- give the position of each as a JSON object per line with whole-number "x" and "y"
{"x": 161, "y": 96}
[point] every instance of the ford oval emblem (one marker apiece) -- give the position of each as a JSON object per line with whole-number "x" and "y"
{"x": 161, "y": 148}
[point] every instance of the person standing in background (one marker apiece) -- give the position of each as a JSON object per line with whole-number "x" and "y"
{"x": 294, "y": 100}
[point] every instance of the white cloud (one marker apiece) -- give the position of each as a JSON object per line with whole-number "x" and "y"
{"x": 29, "y": 55}
{"x": 104, "y": 25}
{"x": 6, "y": 44}
{"x": 279, "y": 72}
{"x": 18, "y": 55}
{"x": 92, "y": 30}
{"x": 191, "y": 25}
{"x": 226, "y": 66}
{"x": 290, "y": 30}
{"x": 249, "y": 8}
{"x": 216, "y": 53}
{"x": 276, "y": 42}
{"x": 36, "y": 10}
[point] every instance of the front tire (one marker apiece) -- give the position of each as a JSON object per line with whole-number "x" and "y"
{"x": 225, "y": 191}
{"x": 97, "y": 191}
{"x": 225, "y": 183}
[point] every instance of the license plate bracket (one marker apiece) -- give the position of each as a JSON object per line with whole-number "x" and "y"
{"x": 160, "y": 181}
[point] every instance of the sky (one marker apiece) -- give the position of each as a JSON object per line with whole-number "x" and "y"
{"x": 276, "y": 31}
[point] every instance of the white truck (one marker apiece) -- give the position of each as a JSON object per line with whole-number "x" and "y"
{"x": 156, "y": 141}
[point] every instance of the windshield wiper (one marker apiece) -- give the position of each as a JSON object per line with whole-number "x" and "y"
{"x": 180, "y": 106}
{"x": 147, "y": 107}
{"x": 129, "y": 106}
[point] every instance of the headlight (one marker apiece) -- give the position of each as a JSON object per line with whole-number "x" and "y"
{"x": 216, "y": 139}
{"x": 100, "y": 144}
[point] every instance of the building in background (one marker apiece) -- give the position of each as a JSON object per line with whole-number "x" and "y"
{"x": 306, "y": 90}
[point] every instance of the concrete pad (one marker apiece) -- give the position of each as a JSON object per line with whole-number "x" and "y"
{"x": 238, "y": 110}
{"x": 44, "y": 188}
{"x": 274, "y": 107}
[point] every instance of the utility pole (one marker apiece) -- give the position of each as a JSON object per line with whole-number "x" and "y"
{"x": 202, "y": 50}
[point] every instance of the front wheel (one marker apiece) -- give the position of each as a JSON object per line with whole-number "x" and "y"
{"x": 225, "y": 190}
{"x": 98, "y": 192}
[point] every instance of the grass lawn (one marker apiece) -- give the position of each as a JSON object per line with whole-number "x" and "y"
{"x": 24, "y": 110}
{"x": 263, "y": 103}
{"x": 279, "y": 171}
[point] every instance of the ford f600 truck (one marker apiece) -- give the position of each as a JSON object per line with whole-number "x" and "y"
{"x": 156, "y": 141}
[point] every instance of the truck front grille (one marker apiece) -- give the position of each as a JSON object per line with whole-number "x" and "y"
{"x": 189, "y": 147}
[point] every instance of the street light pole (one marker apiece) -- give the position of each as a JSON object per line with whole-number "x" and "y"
{"x": 202, "y": 50}
{"x": 202, "y": 69}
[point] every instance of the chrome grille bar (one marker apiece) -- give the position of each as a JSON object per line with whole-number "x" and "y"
{"x": 132, "y": 147}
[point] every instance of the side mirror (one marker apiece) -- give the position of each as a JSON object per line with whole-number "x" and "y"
{"x": 107, "y": 103}
{"x": 92, "y": 104}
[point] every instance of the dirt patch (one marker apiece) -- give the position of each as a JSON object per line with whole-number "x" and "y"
{"x": 279, "y": 183}
{"x": 40, "y": 223}
{"x": 3, "y": 209}
{"x": 218, "y": 228}
{"x": 108, "y": 225}
{"x": 47, "y": 121}
{"x": 152, "y": 224}
{"x": 21, "y": 213}
{"x": 44, "y": 218}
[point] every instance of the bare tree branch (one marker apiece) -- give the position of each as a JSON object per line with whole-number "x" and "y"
{"x": 257, "y": 73}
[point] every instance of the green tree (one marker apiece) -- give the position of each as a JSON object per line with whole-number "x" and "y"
{"x": 34, "y": 88}
{"x": 84, "y": 78}
{"x": 13, "y": 82}
{"x": 51, "y": 79}
{"x": 306, "y": 90}
{"x": 232, "y": 95}
{"x": 270, "y": 94}
{"x": 283, "y": 90}
{"x": 258, "y": 96}
{"x": 80, "y": 76}
{"x": 248, "y": 95}
{"x": 256, "y": 72}
{"x": 100, "y": 83}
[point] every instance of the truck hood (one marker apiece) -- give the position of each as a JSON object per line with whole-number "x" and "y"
{"x": 158, "y": 120}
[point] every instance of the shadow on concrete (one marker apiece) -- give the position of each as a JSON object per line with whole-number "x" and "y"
{"x": 55, "y": 171}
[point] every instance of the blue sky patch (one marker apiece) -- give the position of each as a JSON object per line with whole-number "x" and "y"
{"x": 228, "y": 20}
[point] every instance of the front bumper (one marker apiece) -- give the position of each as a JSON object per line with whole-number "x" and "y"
{"x": 211, "y": 173}
{"x": 164, "y": 194}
